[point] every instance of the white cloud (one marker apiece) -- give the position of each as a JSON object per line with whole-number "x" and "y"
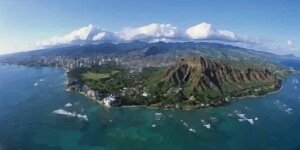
{"x": 201, "y": 31}
{"x": 205, "y": 31}
{"x": 86, "y": 34}
{"x": 164, "y": 32}
{"x": 150, "y": 32}
{"x": 289, "y": 43}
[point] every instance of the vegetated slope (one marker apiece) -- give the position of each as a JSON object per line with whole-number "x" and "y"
{"x": 206, "y": 80}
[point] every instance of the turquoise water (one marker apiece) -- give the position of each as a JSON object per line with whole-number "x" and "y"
{"x": 27, "y": 121}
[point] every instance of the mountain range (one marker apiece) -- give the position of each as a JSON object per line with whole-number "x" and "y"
{"x": 144, "y": 49}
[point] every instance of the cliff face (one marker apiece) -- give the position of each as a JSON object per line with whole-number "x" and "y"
{"x": 200, "y": 74}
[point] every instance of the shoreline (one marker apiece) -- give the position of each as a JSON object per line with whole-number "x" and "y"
{"x": 174, "y": 106}
{"x": 186, "y": 105}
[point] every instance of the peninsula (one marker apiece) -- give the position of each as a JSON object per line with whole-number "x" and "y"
{"x": 195, "y": 82}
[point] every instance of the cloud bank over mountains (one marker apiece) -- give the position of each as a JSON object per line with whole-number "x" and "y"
{"x": 161, "y": 32}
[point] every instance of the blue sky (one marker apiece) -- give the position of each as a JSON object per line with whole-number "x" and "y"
{"x": 24, "y": 23}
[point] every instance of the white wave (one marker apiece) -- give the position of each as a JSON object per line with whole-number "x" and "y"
{"x": 295, "y": 81}
{"x": 241, "y": 120}
{"x": 68, "y": 105}
{"x": 192, "y": 130}
{"x": 158, "y": 116}
{"x": 63, "y": 112}
{"x": 242, "y": 117}
{"x": 289, "y": 110}
{"x": 41, "y": 80}
{"x": 250, "y": 121}
{"x": 283, "y": 107}
{"x": 207, "y": 125}
{"x": 84, "y": 117}
{"x": 184, "y": 123}
{"x": 35, "y": 84}
{"x": 70, "y": 114}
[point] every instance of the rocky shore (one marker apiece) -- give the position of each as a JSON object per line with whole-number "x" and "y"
{"x": 188, "y": 105}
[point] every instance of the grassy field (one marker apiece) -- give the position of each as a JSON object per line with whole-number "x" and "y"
{"x": 98, "y": 76}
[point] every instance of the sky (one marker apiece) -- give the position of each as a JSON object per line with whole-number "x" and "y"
{"x": 267, "y": 25}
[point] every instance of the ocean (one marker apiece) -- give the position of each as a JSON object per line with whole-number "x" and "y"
{"x": 36, "y": 113}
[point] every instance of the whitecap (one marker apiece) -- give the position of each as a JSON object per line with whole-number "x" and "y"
{"x": 250, "y": 121}
{"x": 192, "y": 130}
{"x": 289, "y": 110}
{"x": 283, "y": 107}
{"x": 70, "y": 114}
{"x": 35, "y": 84}
{"x": 207, "y": 126}
{"x": 295, "y": 81}
{"x": 158, "y": 115}
{"x": 84, "y": 117}
{"x": 153, "y": 125}
{"x": 185, "y": 124}
{"x": 63, "y": 112}
{"x": 242, "y": 117}
{"x": 41, "y": 80}
{"x": 68, "y": 105}
{"x": 241, "y": 120}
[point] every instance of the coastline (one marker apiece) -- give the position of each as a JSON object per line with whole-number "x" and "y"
{"x": 67, "y": 88}
{"x": 251, "y": 92}
{"x": 226, "y": 101}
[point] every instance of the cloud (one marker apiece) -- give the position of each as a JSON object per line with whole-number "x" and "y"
{"x": 164, "y": 32}
{"x": 200, "y": 31}
{"x": 88, "y": 34}
{"x": 205, "y": 31}
{"x": 151, "y": 32}
{"x": 289, "y": 43}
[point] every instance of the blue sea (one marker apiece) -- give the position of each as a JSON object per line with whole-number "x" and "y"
{"x": 29, "y": 97}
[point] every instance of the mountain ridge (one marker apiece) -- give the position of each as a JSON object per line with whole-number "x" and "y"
{"x": 205, "y": 74}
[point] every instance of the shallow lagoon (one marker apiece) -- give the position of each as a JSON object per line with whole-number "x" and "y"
{"x": 27, "y": 120}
